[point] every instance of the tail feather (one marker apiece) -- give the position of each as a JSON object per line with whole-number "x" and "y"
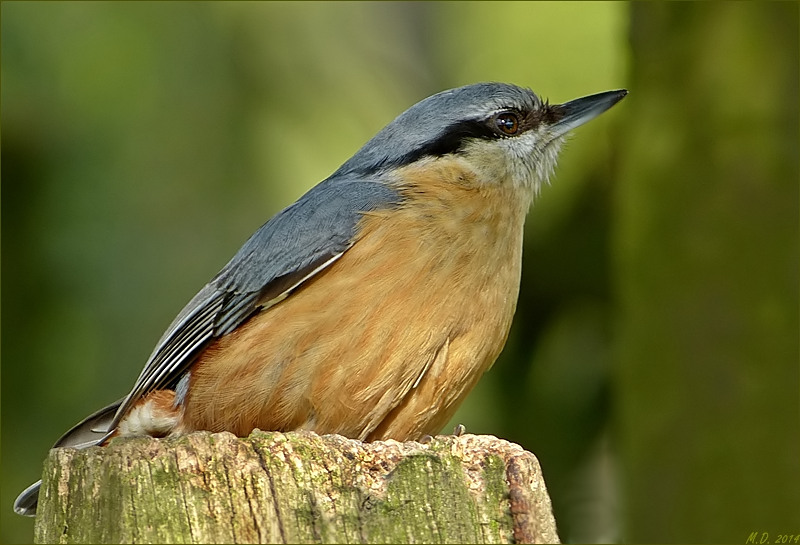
{"x": 26, "y": 502}
{"x": 92, "y": 430}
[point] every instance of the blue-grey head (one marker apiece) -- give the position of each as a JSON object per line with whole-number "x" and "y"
{"x": 507, "y": 133}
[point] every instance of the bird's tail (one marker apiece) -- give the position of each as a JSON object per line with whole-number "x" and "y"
{"x": 92, "y": 430}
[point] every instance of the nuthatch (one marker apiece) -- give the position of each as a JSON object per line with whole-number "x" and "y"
{"x": 372, "y": 305}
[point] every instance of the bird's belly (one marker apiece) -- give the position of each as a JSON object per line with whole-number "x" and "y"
{"x": 385, "y": 343}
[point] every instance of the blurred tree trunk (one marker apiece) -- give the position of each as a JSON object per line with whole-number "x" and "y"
{"x": 708, "y": 278}
{"x": 294, "y": 488}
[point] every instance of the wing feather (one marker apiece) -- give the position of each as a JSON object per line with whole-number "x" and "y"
{"x": 295, "y": 245}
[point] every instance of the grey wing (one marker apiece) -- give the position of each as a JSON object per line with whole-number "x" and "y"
{"x": 290, "y": 248}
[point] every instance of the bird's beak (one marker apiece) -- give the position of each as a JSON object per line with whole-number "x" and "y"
{"x": 577, "y": 112}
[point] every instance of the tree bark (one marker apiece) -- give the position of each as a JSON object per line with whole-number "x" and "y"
{"x": 294, "y": 488}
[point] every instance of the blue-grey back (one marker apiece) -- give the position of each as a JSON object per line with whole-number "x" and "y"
{"x": 318, "y": 225}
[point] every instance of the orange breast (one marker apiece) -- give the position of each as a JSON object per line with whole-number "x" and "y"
{"x": 387, "y": 341}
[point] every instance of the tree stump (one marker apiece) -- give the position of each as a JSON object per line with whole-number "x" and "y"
{"x": 294, "y": 488}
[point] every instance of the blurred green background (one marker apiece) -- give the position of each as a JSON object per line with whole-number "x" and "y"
{"x": 653, "y": 362}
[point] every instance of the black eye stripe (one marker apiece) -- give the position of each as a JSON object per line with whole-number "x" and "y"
{"x": 453, "y": 137}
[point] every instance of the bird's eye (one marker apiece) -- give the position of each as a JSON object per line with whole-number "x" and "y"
{"x": 507, "y": 122}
